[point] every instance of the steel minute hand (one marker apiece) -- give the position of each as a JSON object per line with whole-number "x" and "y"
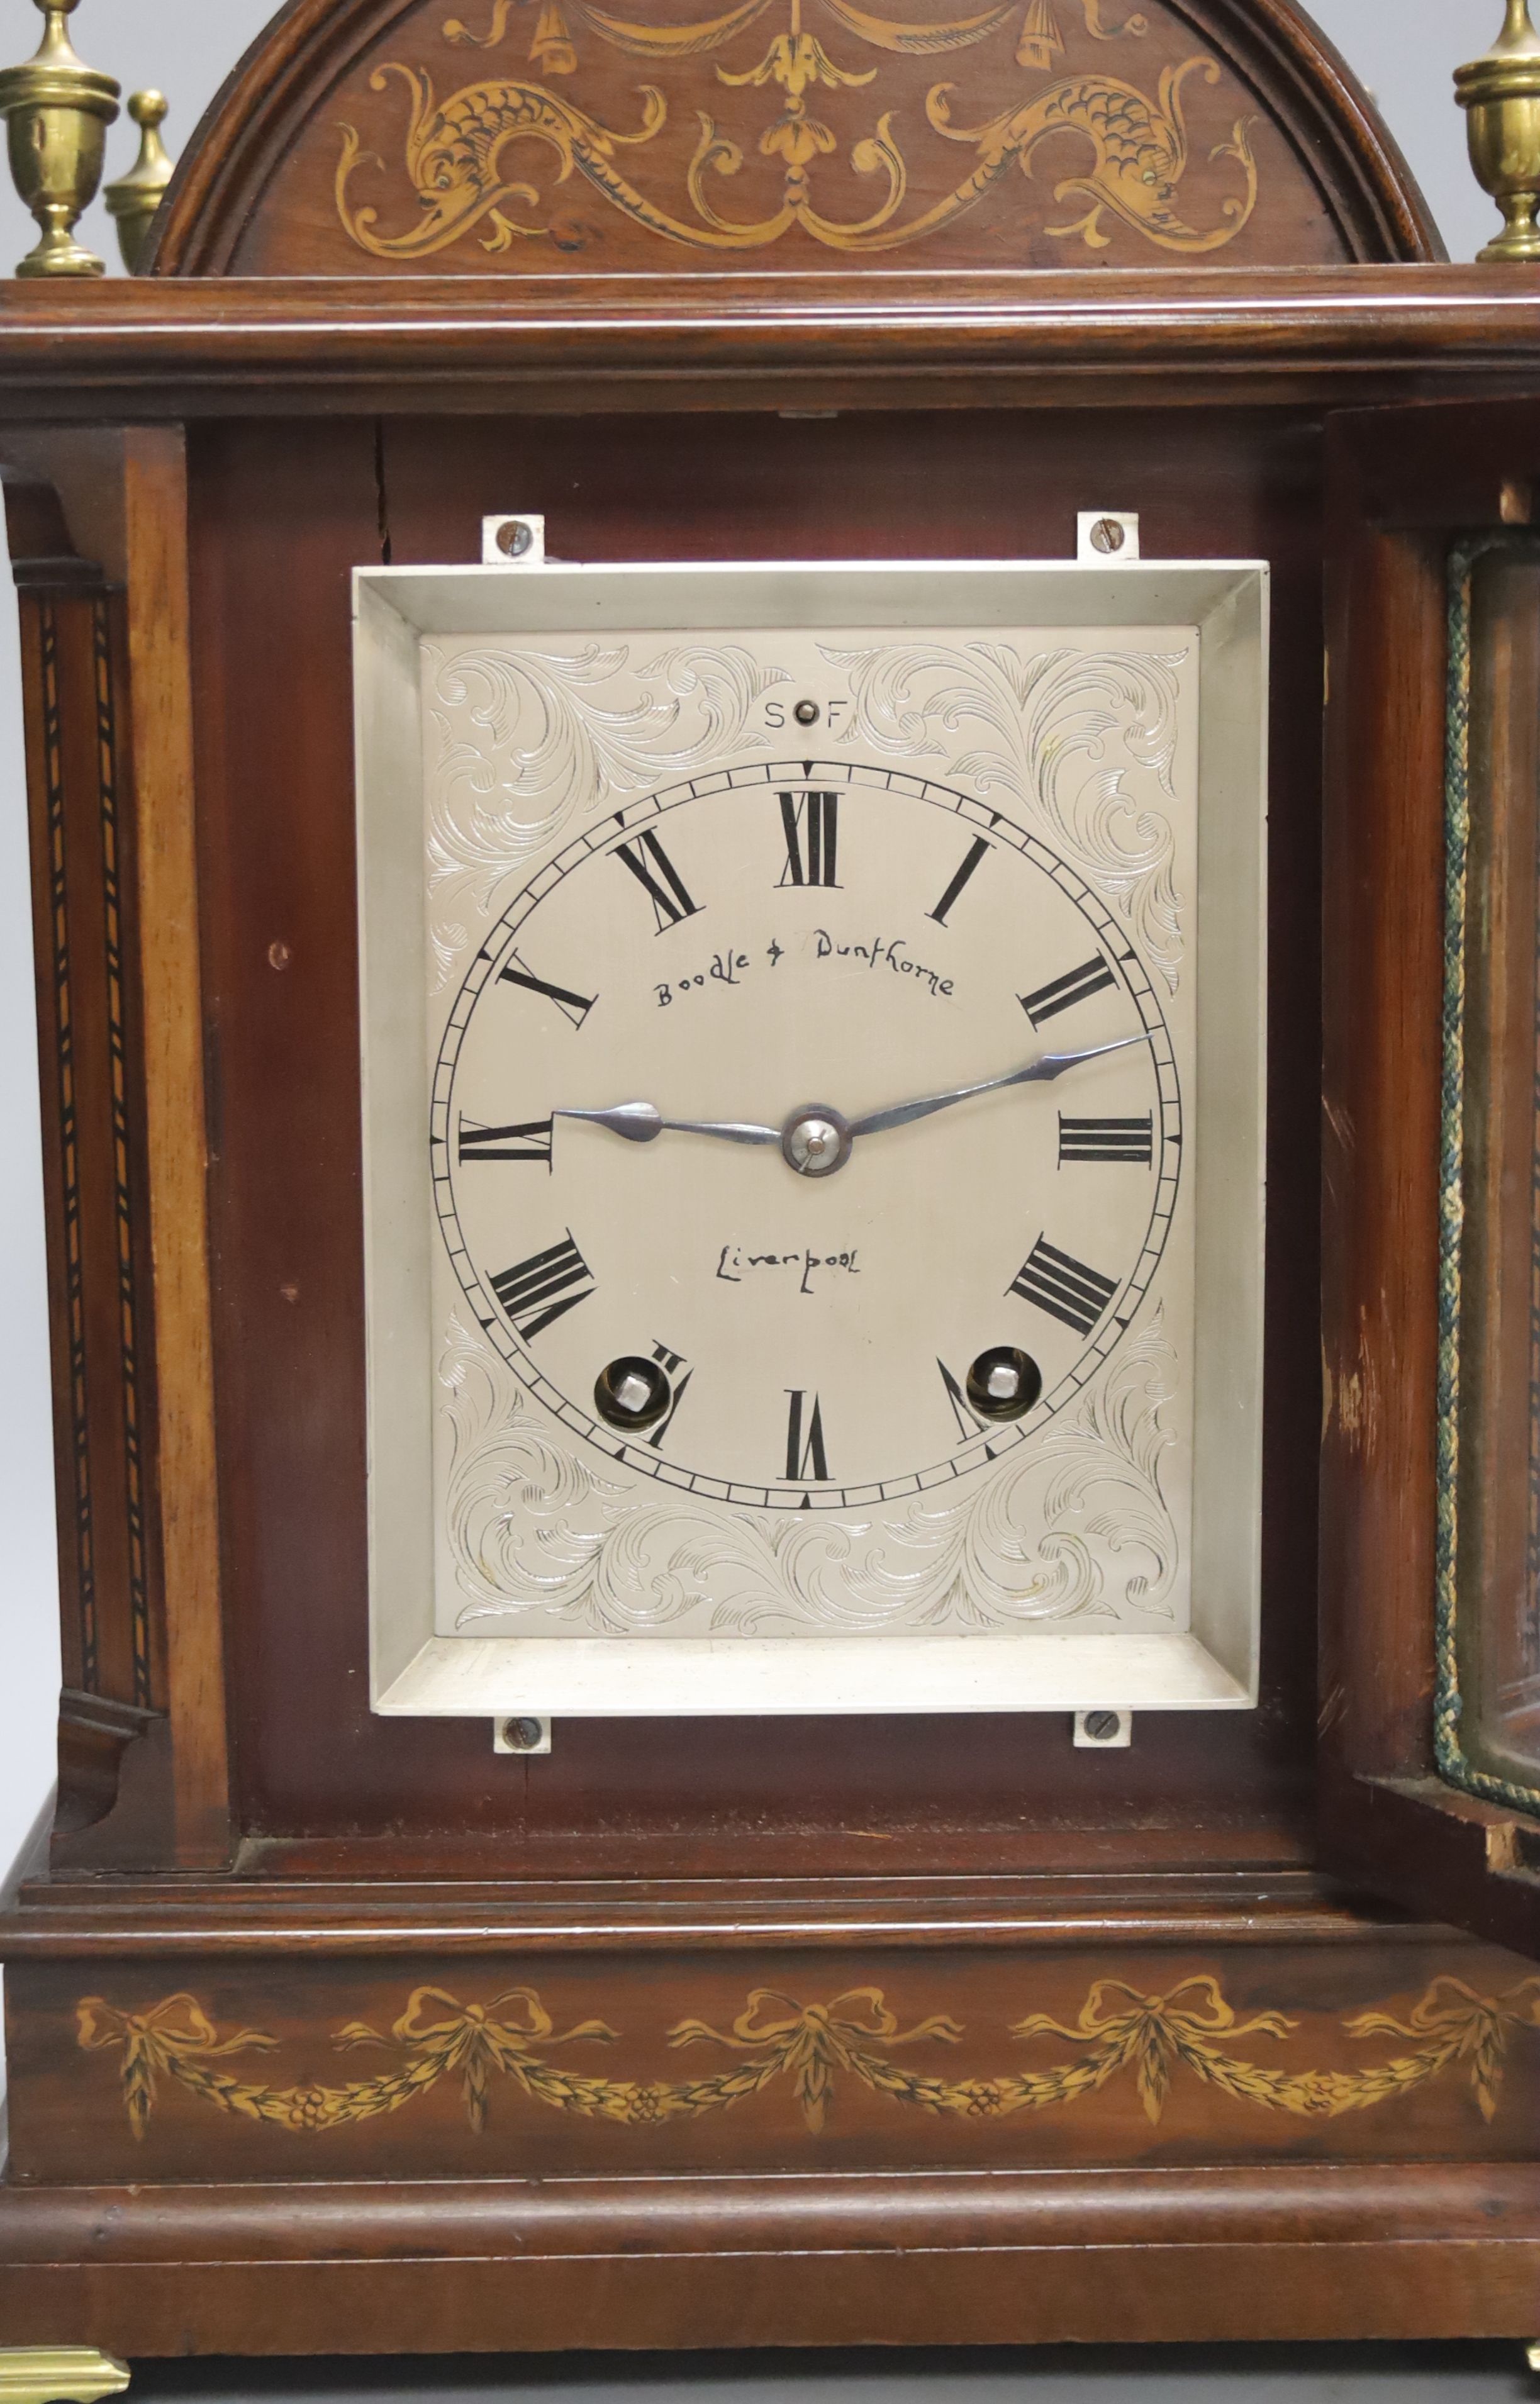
{"x": 643, "y": 1123}
{"x": 1037, "y": 1072}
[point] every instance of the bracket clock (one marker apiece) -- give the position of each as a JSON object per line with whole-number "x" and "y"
{"x": 786, "y": 833}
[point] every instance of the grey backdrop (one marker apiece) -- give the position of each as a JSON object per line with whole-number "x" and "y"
{"x": 1405, "y": 49}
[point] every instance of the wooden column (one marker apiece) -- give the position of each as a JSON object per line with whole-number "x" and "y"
{"x": 98, "y": 530}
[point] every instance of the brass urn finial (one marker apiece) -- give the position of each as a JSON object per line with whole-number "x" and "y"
{"x": 134, "y": 200}
{"x": 57, "y": 112}
{"x": 1501, "y": 92}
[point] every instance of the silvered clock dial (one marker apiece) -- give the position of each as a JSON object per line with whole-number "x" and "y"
{"x": 812, "y": 1108}
{"x": 811, "y": 1301}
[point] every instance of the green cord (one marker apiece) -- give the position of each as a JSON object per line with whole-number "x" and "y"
{"x": 1449, "y": 1703}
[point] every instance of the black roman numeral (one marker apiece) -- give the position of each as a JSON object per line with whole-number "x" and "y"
{"x": 531, "y": 1140}
{"x": 1092, "y": 976}
{"x": 812, "y": 838}
{"x": 805, "y": 1453}
{"x": 571, "y": 1005}
{"x": 968, "y": 1420}
{"x": 976, "y": 851}
{"x": 669, "y": 900}
{"x": 1107, "y": 1139}
{"x": 1064, "y": 1287}
{"x": 543, "y": 1288}
{"x": 670, "y": 1364}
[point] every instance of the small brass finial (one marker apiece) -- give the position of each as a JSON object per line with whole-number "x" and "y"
{"x": 57, "y": 112}
{"x": 135, "y": 196}
{"x": 1500, "y": 94}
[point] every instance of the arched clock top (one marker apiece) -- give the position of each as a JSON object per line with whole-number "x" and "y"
{"x": 468, "y": 137}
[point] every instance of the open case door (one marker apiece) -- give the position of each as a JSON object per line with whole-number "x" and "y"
{"x": 1430, "y": 1494}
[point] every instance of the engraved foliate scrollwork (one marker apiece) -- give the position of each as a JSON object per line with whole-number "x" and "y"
{"x": 458, "y": 149}
{"x": 1074, "y": 1526}
{"x": 531, "y": 743}
{"x": 1062, "y": 733}
{"x": 538, "y": 1535}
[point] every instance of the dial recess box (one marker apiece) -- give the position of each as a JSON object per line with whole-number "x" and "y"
{"x": 813, "y": 1073}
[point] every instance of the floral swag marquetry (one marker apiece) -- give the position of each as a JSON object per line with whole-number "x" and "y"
{"x": 1119, "y": 2033}
{"x": 461, "y": 152}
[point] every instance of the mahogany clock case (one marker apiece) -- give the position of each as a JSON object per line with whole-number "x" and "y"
{"x": 334, "y": 2031}
{"x": 938, "y": 1878}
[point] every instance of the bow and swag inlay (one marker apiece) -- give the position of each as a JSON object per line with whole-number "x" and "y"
{"x": 461, "y": 152}
{"x": 1120, "y": 2031}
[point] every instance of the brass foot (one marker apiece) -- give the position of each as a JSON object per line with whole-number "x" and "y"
{"x": 58, "y": 2374}
{"x": 1532, "y": 2355}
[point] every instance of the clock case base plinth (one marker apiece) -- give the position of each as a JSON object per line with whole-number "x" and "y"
{"x": 455, "y": 2269}
{"x": 980, "y": 2112}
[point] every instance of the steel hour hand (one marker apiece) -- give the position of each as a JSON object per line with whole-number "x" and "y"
{"x": 643, "y": 1123}
{"x": 1041, "y": 1071}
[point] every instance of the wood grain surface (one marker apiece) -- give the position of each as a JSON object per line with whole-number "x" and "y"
{"x": 1304, "y": 2251}
{"x": 586, "y": 345}
{"x": 159, "y": 638}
